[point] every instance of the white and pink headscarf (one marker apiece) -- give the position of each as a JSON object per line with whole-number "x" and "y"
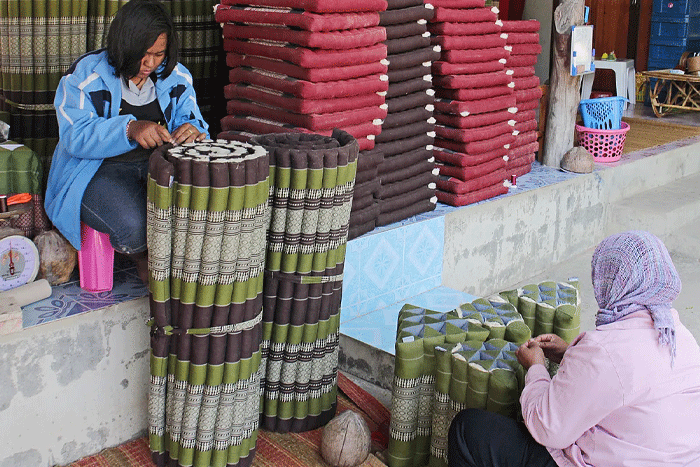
{"x": 632, "y": 271}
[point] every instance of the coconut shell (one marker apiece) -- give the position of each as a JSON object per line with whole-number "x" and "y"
{"x": 578, "y": 160}
{"x": 346, "y": 440}
{"x": 57, "y": 257}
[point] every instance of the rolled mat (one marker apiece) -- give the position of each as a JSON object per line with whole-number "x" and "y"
{"x": 207, "y": 217}
{"x": 312, "y": 181}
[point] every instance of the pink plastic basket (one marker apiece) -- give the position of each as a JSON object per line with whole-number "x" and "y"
{"x": 604, "y": 145}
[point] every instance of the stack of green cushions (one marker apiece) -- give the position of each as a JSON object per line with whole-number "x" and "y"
{"x": 549, "y": 307}
{"x": 433, "y": 353}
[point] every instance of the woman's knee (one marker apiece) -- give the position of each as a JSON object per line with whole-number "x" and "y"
{"x": 129, "y": 235}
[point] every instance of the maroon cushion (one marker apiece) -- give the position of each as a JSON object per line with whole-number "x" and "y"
{"x": 395, "y": 31}
{"x": 406, "y": 185}
{"x": 404, "y": 200}
{"x": 520, "y": 171}
{"x": 406, "y": 117}
{"x": 521, "y": 60}
{"x": 412, "y": 72}
{"x": 523, "y": 38}
{"x": 459, "y": 3}
{"x": 309, "y": 89}
{"x": 315, "y": 75}
{"x": 525, "y": 49}
{"x": 528, "y": 94}
{"x": 528, "y": 105}
{"x": 413, "y": 58}
{"x": 473, "y": 94}
{"x": 465, "y": 29}
{"x": 531, "y": 25}
{"x": 306, "y": 57}
{"x": 345, "y": 39}
{"x": 525, "y": 160}
{"x": 403, "y": 88}
{"x": 403, "y": 160}
{"x": 473, "y": 134}
{"x": 519, "y": 151}
{"x": 405, "y": 131}
{"x": 474, "y": 55}
{"x": 461, "y": 15}
{"x": 473, "y": 171}
{"x": 454, "y": 185}
{"x": 404, "y": 145}
{"x": 406, "y": 44}
{"x": 527, "y": 125}
{"x": 525, "y": 83}
{"x": 521, "y": 72}
{"x": 319, "y": 6}
{"x": 524, "y": 115}
{"x": 466, "y": 160}
{"x": 476, "y": 147}
{"x": 481, "y": 80}
{"x": 447, "y": 68}
{"x": 405, "y": 15}
{"x": 300, "y": 104}
{"x": 473, "y": 120}
{"x": 465, "y": 108}
{"x": 410, "y": 101}
{"x": 420, "y": 207}
{"x": 523, "y": 139}
{"x": 301, "y": 19}
{"x": 469, "y": 42}
{"x": 473, "y": 196}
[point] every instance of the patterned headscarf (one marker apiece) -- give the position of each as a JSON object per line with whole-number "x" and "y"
{"x": 632, "y": 271}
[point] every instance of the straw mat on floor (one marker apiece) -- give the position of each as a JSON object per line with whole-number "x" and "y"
{"x": 273, "y": 449}
{"x": 645, "y": 133}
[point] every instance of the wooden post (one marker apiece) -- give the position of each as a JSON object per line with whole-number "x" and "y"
{"x": 564, "y": 94}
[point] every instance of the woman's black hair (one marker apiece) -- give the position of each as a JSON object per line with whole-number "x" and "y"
{"x": 134, "y": 30}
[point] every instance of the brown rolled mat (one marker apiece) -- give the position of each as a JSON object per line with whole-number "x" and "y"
{"x": 474, "y": 55}
{"x": 527, "y": 125}
{"x": 410, "y": 86}
{"x": 406, "y": 199}
{"x": 528, "y": 94}
{"x": 406, "y": 44}
{"x": 524, "y": 138}
{"x": 403, "y": 74}
{"x": 521, "y": 72}
{"x": 369, "y": 159}
{"x": 407, "y": 172}
{"x": 302, "y": 105}
{"x": 420, "y": 207}
{"x": 405, "y": 15}
{"x": 464, "y": 29}
{"x": 473, "y": 196}
{"x": 473, "y": 120}
{"x": 395, "y": 4}
{"x": 309, "y": 121}
{"x": 357, "y": 230}
{"x": 529, "y": 25}
{"x": 318, "y": 6}
{"x": 528, "y": 105}
{"x": 466, "y": 160}
{"x": 406, "y": 159}
{"x": 476, "y": 147}
{"x": 481, "y": 80}
{"x": 409, "y": 101}
{"x": 474, "y": 93}
{"x": 365, "y": 215}
{"x": 525, "y": 49}
{"x": 369, "y": 187}
{"x": 404, "y": 186}
{"x": 366, "y": 175}
{"x": 459, "y": 15}
{"x": 459, "y": 187}
{"x": 332, "y": 40}
{"x": 471, "y": 172}
{"x": 447, "y": 68}
{"x": 305, "y": 20}
{"x": 469, "y": 42}
{"x": 520, "y": 37}
{"x": 406, "y": 131}
{"x": 413, "y": 58}
{"x": 526, "y": 82}
{"x": 473, "y": 134}
{"x": 315, "y": 75}
{"x": 308, "y": 89}
{"x": 523, "y": 149}
{"x": 404, "y": 145}
{"x": 521, "y": 61}
{"x": 405, "y": 117}
{"x": 521, "y": 116}
{"x": 466, "y": 108}
{"x": 416, "y": 28}
{"x": 362, "y": 202}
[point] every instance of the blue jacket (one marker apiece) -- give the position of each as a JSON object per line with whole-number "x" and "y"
{"x": 90, "y": 129}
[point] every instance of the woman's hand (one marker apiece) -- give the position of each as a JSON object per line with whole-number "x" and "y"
{"x": 148, "y": 134}
{"x": 187, "y": 133}
{"x": 530, "y": 354}
{"x": 553, "y": 346}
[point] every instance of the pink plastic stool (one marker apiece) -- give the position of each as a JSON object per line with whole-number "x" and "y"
{"x": 95, "y": 260}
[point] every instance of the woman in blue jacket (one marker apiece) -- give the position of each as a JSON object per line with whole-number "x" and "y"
{"x": 114, "y": 106}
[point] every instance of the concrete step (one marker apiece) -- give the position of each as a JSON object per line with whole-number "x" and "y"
{"x": 671, "y": 212}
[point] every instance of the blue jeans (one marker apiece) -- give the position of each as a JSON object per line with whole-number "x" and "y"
{"x": 115, "y": 203}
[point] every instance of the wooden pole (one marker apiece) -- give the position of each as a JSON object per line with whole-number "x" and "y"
{"x": 564, "y": 94}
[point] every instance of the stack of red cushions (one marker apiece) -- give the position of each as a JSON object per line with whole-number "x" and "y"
{"x": 475, "y": 102}
{"x": 304, "y": 65}
{"x": 523, "y": 42}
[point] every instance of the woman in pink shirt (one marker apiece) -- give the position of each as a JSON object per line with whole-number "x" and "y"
{"x": 626, "y": 394}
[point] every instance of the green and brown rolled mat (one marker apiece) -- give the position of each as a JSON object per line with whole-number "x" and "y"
{"x": 312, "y": 180}
{"x": 207, "y": 218}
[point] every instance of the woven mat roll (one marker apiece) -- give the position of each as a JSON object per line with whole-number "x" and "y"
{"x": 207, "y": 218}
{"x": 312, "y": 180}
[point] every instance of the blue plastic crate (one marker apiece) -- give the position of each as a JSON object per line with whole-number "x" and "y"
{"x": 676, "y": 7}
{"x": 602, "y": 113}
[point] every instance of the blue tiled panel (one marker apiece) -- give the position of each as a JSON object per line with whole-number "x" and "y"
{"x": 378, "y": 328}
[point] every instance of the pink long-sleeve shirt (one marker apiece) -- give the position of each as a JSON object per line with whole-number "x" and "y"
{"x": 616, "y": 401}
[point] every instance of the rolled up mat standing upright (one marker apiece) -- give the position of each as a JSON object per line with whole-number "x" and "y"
{"x": 207, "y": 221}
